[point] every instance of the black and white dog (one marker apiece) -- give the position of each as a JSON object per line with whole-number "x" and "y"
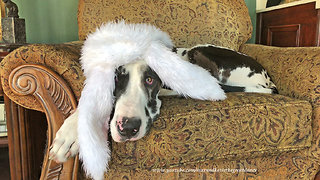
{"x": 236, "y": 72}
{"x": 137, "y": 89}
{"x": 136, "y": 104}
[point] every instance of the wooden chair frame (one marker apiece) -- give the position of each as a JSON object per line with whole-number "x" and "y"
{"x": 58, "y": 101}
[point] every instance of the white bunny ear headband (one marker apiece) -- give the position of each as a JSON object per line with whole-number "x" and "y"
{"x": 116, "y": 44}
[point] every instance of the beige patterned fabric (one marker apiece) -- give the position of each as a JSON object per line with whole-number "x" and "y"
{"x": 295, "y": 71}
{"x": 243, "y": 125}
{"x": 280, "y": 167}
{"x": 189, "y": 22}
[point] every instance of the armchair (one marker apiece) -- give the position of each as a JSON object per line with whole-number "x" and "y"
{"x": 246, "y": 136}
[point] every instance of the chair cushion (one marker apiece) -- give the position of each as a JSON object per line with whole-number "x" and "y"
{"x": 285, "y": 165}
{"x": 246, "y": 125}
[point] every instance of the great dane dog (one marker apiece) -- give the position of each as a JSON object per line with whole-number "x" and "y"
{"x": 138, "y": 87}
{"x": 126, "y": 67}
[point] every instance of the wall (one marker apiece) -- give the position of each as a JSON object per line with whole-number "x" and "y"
{"x": 55, "y": 21}
{"x": 49, "y": 21}
{"x": 252, "y": 11}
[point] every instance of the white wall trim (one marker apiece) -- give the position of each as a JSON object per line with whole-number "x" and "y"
{"x": 261, "y": 5}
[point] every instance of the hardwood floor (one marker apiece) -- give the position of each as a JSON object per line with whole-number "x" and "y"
{"x": 4, "y": 164}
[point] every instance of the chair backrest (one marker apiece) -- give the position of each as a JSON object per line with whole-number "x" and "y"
{"x": 189, "y": 22}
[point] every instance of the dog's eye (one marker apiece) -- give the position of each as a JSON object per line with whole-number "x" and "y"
{"x": 149, "y": 80}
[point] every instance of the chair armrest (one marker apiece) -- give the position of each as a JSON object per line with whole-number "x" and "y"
{"x": 44, "y": 78}
{"x": 295, "y": 71}
{"x": 63, "y": 59}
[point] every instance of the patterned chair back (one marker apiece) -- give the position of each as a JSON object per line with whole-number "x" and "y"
{"x": 189, "y": 22}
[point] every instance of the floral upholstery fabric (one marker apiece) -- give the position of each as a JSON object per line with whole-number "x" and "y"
{"x": 279, "y": 167}
{"x": 220, "y": 22}
{"x": 243, "y": 125}
{"x": 295, "y": 71}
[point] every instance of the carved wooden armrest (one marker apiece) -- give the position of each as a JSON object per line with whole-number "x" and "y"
{"x": 57, "y": 101}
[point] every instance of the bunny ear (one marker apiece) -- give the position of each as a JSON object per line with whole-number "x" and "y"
{"x": 95, "y": 106}
{"x": 185, "y": 78}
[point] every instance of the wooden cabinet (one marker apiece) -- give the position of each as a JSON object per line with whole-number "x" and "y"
{"x": 293, "y": 26}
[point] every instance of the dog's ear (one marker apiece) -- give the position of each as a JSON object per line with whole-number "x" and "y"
{"x": 185, "y": 78}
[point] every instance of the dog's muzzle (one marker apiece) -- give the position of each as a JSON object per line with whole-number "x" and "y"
{"x": 128, "y": 127}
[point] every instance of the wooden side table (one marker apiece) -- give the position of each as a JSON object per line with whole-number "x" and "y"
{"x": 3, "y": 140}
{"x": 5, "y": 49}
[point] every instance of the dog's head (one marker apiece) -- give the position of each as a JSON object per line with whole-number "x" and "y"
{"x": 137, "y": 104}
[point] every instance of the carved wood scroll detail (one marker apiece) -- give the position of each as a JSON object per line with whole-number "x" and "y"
{"x": 57, "y": 100}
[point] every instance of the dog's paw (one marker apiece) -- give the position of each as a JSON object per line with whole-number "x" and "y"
{"x": 63, "y": 147}
{"x": 65, "y": 144}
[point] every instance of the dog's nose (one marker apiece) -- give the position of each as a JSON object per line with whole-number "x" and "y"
{"x": 129, "y": 126}
{"x": 274, "y": 90}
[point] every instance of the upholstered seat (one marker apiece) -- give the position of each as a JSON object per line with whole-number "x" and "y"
{"x": 244, "y": 125}
{"x": 246, "y": 136}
